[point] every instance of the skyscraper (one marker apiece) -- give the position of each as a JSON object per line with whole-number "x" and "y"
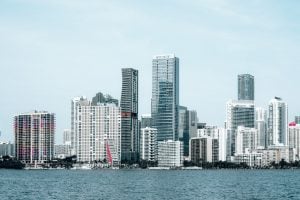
{"x": 187, "y": 127}
{"x": 239, "y": 113}
{"x": 129, "y": 107}
{"x": 261, "y": 126}
{"x": 245, "y": 87}
{"x": 165, "y": 96}
{"x": 183, "y": 129}
{"x": 77, "y": 101}
{"x": 97, "y": 131}
{"x": 294, "y": 141}
{"x": 34, "y": 137}
{"x": 277, "y": 122}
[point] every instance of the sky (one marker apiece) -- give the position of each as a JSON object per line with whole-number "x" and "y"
{"x": 54, "y": 50}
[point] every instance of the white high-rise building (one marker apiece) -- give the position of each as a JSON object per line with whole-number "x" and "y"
{"x": 170, "y": 153}
{"x": 148, "y": 144}
{"x": 246, "y": 140}
{"x": 277, "y": 122}
{"x": 294, "y": 141}
{"x": 216, "y": 133}
{"x": 261, "y": 126}
{"x": 97, "y": 131}
{"x": 75, "y": 103}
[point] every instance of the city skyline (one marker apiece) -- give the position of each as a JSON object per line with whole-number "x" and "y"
{"x": 41, "y": 64}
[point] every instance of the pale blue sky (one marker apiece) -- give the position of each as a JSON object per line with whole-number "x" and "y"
{"x": 54, "y": 50}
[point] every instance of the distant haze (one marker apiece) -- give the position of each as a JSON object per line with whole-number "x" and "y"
{"x": 54, "y": 50}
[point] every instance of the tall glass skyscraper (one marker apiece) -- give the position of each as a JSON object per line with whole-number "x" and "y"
{"x": 245, "y": 87}
{"x": 165, "y": 96}
{"x": 129, "y": 107}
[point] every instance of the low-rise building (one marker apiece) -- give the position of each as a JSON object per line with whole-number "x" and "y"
{"x": 252, "y": 159}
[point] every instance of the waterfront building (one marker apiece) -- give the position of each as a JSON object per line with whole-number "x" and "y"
{"x": 277, "y": 122}
{"x": 294, "y": 141}
{"x": 170, "y": 153}
{"x": 75, "y": 103}
{"x": 239, "y": 113}
{"x": 246, "y": 140}
{"x": 129, "y": 107}
{"x": 148, "y": 144}
{"x": 204, "y": 149}
{"x": 261, "y": 126}
{"x": 7, "y": 149}
{"x": 216, "y": 133}
{"x": 245, "y": 87}
{"x": 274, "y": 154}
{"x": 97, "y": 131}
{"x": 34, "y": 137}
{"x": 165, "y": 96}
{"x": 252, "y": 159}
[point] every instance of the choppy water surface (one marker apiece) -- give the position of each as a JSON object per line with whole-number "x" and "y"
{"x": 148, "y": 184}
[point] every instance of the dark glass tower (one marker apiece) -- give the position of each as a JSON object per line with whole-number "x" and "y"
{"x": 245, "y": 87}
{"x": 129, "y": 108}
{"x": 165, "y": 96}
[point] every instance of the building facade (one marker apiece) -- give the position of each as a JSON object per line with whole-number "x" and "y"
{"x": 245, "y": 87}
{"x": 239, "y": 113}
{"x": 34, "y": 137}
{"x": 165, "y": 96}
{"x": 148, "y": 144}
{"x": 97, "y": 132}
{"x": 261, "y": 126}
{"x": 246, "y": 140}
{"x": 294, "y": 141}
{"x": 204, "y": 149}
{"x": 277, "y": 122}
{"x": 170, "y": 153}
{"x": 129, "y": 107}
{"x": 7, "y": 149}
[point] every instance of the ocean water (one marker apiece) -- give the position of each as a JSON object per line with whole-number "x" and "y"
{"x": 149, "y": 184}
